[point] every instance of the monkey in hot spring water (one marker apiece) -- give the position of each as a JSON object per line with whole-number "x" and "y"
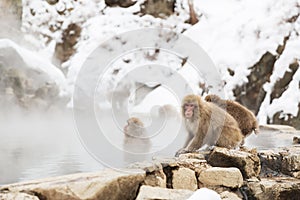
{"x": 136, "y": 139}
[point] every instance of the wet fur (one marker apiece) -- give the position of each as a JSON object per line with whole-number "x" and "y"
{"x": 134, "y": 127}
{"x": 136, "y": 139}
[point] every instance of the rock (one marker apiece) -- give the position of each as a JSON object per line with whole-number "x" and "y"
{"x": 158, "y": 8}
{"x": 286, "y": 118}
{"x": 191, "y": 156}
{"x": 291, "y": 161}
{"x": 52, "y": 2}
{"x": 169, "y": 165}
{"x": 277, "y": 127}
{"x": 278, "y": 89}
{"x": 27, "y": 79}
{"x": 248, "y": 163}
{"x": 166, "y": 162}
{"x": 285, "y": 160}
{"x": 121, "y": 3}
{"x": 155, "y": 175}
{"x": 156, "y": 193}
{"x": 283, "y": 83}
{"x": 184, "y": 178}
{"x": 194, "y": 164}
{"x": 17, "y": 196}
{"x": 66, "y": 48}
{"x": 251, "y": 94}
{"x": 229, "y": 196}
{"x": 279, "y": 188}
{"x": 193, "y": 161}
{"x": 217, "y": 176}
{"x": 270, "y": 163}
{"x": 156, "y": 179}
{"x": 107, "y": 184}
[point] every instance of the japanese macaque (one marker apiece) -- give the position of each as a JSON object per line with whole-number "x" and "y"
{"x": 207, "y": 124}
{"x": 245, "y": 118}
{"x": 296, "y": 140}
{"x": 134, "y": 127}
{"x": 168, "y": 111}
{"x": 136, "y": 139}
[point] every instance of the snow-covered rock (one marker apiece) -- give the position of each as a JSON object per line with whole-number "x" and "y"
{"x": 27, "y": 79}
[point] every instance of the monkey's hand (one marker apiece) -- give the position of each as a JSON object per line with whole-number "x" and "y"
{"x": 205, "y": 148}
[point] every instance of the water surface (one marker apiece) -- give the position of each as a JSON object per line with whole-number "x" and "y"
{"x": 44, "y": 145}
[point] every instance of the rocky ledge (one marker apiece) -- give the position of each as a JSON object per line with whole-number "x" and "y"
{"x": 233, "y": 174}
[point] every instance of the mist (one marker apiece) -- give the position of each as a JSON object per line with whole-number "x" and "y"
{"x": 39, "y": 145}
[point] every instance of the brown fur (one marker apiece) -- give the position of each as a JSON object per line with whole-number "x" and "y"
{"x": 210, "y": 125}
{"x": 245, "y": 118}
{"x": 296, "y": 140}
{"x": 134, "y": 127}
{"x": 136, "y": 139}
{"x": 169, "y": 111}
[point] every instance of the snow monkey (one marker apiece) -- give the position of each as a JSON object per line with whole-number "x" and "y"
{"x": 136, "y": 139}
{"x": 134, "y": 127}
{"x": 207, "y": 124}
{"x": 169, "y": 111}
{"x": 245, "y": 118}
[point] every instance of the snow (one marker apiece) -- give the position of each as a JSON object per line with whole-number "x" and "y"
{"x": 237, "y": 33}
{"x": 288, "y": 102}
{"x": 234, "y": 33}
{"x": 205, "y": 194}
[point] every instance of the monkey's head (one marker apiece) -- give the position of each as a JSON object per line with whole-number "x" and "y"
{"x": 134, "y": 127}
{"x": 190, "y": 106}
{"x": 212, "y": 98}
{"x": 296, "y": 140}
{"x": 136, "y": 121}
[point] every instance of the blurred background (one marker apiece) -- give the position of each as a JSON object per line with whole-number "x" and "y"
{"x": 255, "y": 46}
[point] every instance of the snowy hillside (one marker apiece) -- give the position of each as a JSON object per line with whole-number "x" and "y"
{"x": 245, "y": 39}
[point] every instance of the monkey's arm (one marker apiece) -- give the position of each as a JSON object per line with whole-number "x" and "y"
{"x": 192, "y": 144}
{"x": 188, "y": 139}
{"x": 195, "y": 143}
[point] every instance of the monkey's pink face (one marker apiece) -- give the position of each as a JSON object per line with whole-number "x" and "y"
{"x": 189, "y": 110}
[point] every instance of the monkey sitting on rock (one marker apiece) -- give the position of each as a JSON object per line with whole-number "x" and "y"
{"x": 207, "y": 124}
{"x": 245, "y": 118}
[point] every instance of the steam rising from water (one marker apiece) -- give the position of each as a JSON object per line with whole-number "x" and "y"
{"x": 36, "y": 145}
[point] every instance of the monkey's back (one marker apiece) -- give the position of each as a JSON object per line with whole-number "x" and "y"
{"x": 245, "y": 118}
{"x": 225, "y": 128}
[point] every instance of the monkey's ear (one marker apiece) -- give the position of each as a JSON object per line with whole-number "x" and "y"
{"x": 207, "y": 98}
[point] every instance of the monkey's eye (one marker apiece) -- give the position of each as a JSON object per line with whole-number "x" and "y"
{"x": 189, "y": 105}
